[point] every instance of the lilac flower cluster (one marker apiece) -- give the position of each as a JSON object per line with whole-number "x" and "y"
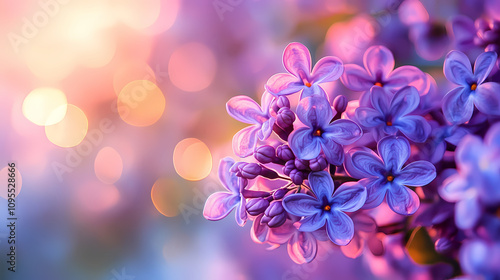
{"x": 317, "y": 168}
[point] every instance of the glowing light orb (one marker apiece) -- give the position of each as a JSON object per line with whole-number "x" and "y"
{"x": 108, "y": 165}
{"x": 71, "y": 130}
{"x": 192, "y": 159}
{"x": 166, "y": 197}
{"x": 42, "y": 103}
{"x": 141, "y": 103}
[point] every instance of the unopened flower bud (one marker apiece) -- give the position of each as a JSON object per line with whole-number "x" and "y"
{"x": 265, "y": 154}
{"x": 319, "y": 163}
{"x": 340, "y": 104}
{"x": 285, "y": 119}
{"x": 283, "y": 102}
{"x": 289, "y": 166}
{"x": 275, "y": 214}
{"x": 250, "y": 170}
{"x": 284, "y": 152}
{"x": 257, "y": 206}
{"x": 297, "y": 176}
{"x": 279, "y": 194}
{"x": 301, "y": 164}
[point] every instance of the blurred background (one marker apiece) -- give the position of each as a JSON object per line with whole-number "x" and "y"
{"x": 114, "y": 114}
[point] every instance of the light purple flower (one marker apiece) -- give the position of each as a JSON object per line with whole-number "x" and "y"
{"x": 297, "y": 61}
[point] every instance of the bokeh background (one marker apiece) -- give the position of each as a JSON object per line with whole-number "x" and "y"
{"x": 114, "y": 113}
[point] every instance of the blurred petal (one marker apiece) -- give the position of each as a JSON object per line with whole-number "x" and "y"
{"x": 457, "y": 105}
{"x": 284, "y": 84}
{"x": 453, "y": 188}
{"x": 379, "y": 61}
{"x": 369, "y": 117}
{"x": 343, "y": 131}
{"x": 354, "y": 248}
{"x": 314, "y": 111}
{"x": 356, "y": 78}
{"x": 487, "y": 98}
{"x": 404, "y": 102}
{"x": 339, "y": 227}
{"x": 321, "y": 184}
{"x": 333, "y": 151}
{"x": 463, "y": 31}
{"x": 244, "y": 141}
{"x": 416, "y": 128}
{"x": 467, "y": 212}
{"x": 407, "y": 76}
{"x": 367, "y": 163}
{"x": 376, "y": 190}
{"x": 417, "y": 174}
{"x": 303, "y": 144}
{"x": 327, "y": 69}
{"x": 297, "y": 60}
{"x": 245, "y": 109}
{"x": 228, "y": 179}
{"x": 457, "y": 68}
{"x": 302, "y": 247}
{"x": 312, "y": 223}
{"x": 301, "y": 204}
{"x": 394, "y": 151}
{"x": 282, "y": 234}
{"x": 402, "y": 200}
{"x": 469, "y": 150}
{"x": 492, "y": 138}
{"x": 219, "y": 204}
{"x": 483, "y": 65}
{"x": 350, "y": 197}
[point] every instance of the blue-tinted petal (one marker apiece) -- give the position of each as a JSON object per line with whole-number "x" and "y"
{"x": 267, "y": 129}
{"x": 349, "y": 163}
{"x": 244, "y": 141}
{"x": 369, "y": 117}
{"x": 463, "y": 32}
{"x": 302, "y": 247}
{"x": 457, "y": 68}
{"x": 241, "y": 212}
{"x": 404, "y": 102}
{"x": 321, "y": 184}
{"x": 416, "y": 174}
{"x": 314, "y": 111}
{"x": 327, "y": 69}
{"x": 407, "y": 76}
{"x": 367, "y": 164}
{"x": 375, "y": 191}
{"x": 301, "y": 204}
{"x": 333, "y": 151}
{"x": 303, "y": 144}
{"x": 394, "y": 151}
{"x": 228, "y": 179}
{"x": 297, "y": 60}
{"x": 380, "y": 99}
{"x": 314, "y": 90}
{"x": 454, "y": 188}
{"x": 467, "y": 212}
{"x": 379, "y": 61}
{"x": 402, "y": 200}
{"x": 284, "y": 84}
{"x": 349, "y": 197}
{"x": 219, "y": 204}
{"x": 492, "y": 138}
{"x": 343, "y": 131}
{"x": 483, "y": 65}
{"x": 469, "y": 150}
{"x": 356, "y": 78}
{"x": 457, "y": 105}
{"x": 245, "y": 109}
{"x": 312, "y": 223}
{"x": 416, "y": 128}
{"x": 487, "y": 98}
{"x": 339, "y": 227}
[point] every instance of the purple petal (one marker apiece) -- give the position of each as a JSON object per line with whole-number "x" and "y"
{"x": 303, "y": 144}
{"x": 404, "y": 102}
{"x": 314, "y": 111}
{"x": 321, "y": 184}
{"x": 416, "y": 174}
{"x": 416, "y": 128}
{"x": 301, "y": 204}
{"x": 379, "y": 61}
{"x": 339, "y": 227}
{"x": 219, "y": 204}
{"x": 327, "y": 69}
{"x": 228, "y": 179}
{"x": 463, "y": 31}
{"x": 349, "y": 197}
{"x": 244, "y": 141}
{"x": 297, "y": 60}
{"x": 369, "y": 117}
{"x": 487, "y": 98}
{"x": 407, "y": 76}
{"x": 457, "y": 68}
{"x": 394, "y": 151}
{"x": 333, "y": 151}
{"x": 349, "y": 163}
{"x": 284, "y": 84}
{"x": 267, "y": 129}
{"x": 241, "y": 212}
{"x": 312, "y": 223}
{"x": 356, "y": 78}
{"x": 367, "y": 164}
{"x": 453, "y": 188}
{"x": 315, "y": 90}
{"x": 380, "y": 99}
{"x": 402, "y": 200}
{"x": 259, "y": 231}
{"x": 302, "y": 247}
{"x": 376, "y": 190}
{"x": 354, "y": 248}
{"x": 343, "y": 131}
{"x": 469, "y": 151}
{"x": 492, "y": 138}
{"x": 458, "y": 106}
{"x": 282, "y": 234}
{"x": 245, "y": 109}
{"x": 483, "y": 65}
{"x": 467, "y": 212}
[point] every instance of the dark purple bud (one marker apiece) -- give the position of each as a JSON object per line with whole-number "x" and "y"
{"x": 319, "y": 163}
{"x": 283, "y": 102}
{"x": 268, "y": 173}
{"x": 490, "y": 36}
{"x": 265, "y": 219}
{"x": 297, "y": 176}
{"x": 496, "y": 26}
{"x": 277, "y": 220}
{"x": 236, "y": 168}
{"x": 257, "y": 206}
{"x": 289, "y": 166}
{"x": 250, "y": 170}
{"x": 280, "y": 132}
{"x": 443, "y": 245}
{"x": 279, "y": 194}
{"x": 265, "y": 154}
{"x": 301, "y": 164}
{"x": 285, "y": 153}
{"x": 340, "y": 104}
{"x": 275, "y": 208}
{"x": 285, "y": 119}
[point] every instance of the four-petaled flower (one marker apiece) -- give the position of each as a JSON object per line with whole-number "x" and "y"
{"x": 219, "y": 204}
{"x": 297, "y": 61}
{"x": 392, "y": 114}
{"x": 319, "y": 134}
{"x": 385, "y": 175}
{"x": 245, "y": 109}
{"x": 458, "y": 104}
{"x": 327, "y": 207}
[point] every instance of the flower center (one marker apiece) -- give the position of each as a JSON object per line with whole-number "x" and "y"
{"x": 390, "y": 178}
{"x": 379, "y": 84}
{"x": 473, "y": 86}
{"x": 317, "y": 132}
{"x": 388, "y": 123}
{"x": 328, "y": 208}
{"x": 307, "y": 84}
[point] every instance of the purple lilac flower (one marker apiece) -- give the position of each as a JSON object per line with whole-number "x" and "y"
{"x": 219, "y": 204}
{"x": 475, "y": 185}
{"x": 327, "y": 207}
{"x": 480, "y": 258}
{"x": 458, "y": 104}
{"x": 297, "y": 61}
{"x": 392, "y": 114}
{"x": 384, "y": 175}
{"x": 319, "y": 134}
{"x": 245, "y": 109}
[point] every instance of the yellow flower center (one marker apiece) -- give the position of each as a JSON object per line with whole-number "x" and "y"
{"x": 473, "y": 86}
{"x": 390, "y": 178}
{"x": 317, "y": 132}
{"x": 307, "y": 84}
{"x": 378, "y": 84}
{"x": 328, "y": 208}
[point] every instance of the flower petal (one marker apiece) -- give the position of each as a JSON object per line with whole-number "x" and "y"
{"x": 407, "y": 76}
{"x": 457, "y": 105}
{"x": 312, "y": 223}
{"x": 321, "y": 184}
{"x": 283, "y": 84}
{"x": 245, "y": 109}
{"x": 457, "y": 68}
{"x": 416, "y": 174}
{"x": 302, "y": 247}
{"x": 492, "y": 138}
{"x": 463, "y": 32}
{"x": 354, "y": 248}
{"x": 281, "y": 234}
{"x": 367, "y": 164}
{"x": 394, "y": 151}
{"x": 259, "y": 231}
{"x": 241, "y": 212}
{"x": 375, "y": 191}
{"x": 483, "y": 65}
{"x": 349, "y": 197}
{"x": 467, "y": 212}
{"x": 379, "y": 61}
{"x": 469, "y": 151}
{"x": 416, "y": 128}
{"x": 267, "y": 129}
{"x": 339, "y": 227}
{"x": 297, "y": 60}
{"x": 314, "y": 111}
{"x": 301, "y": 204}
{"x": 228, "y": 179}
{"x": 380, "y": 99}
{"x": 487, "y": 98}
{"x": 356, "y": 78}
{"x": 404, "y": 102}
{"x": 369, "y": 117}
{"x": 453, "y": 188}
{"x": 303, "y": 144}
{"x": 327, "y": 69}
{"x": 333, "y": 151}
{"x": 343, "y": 131}
{"x": 244, "y": 141}
{"x": 402, "y": 200}
{"x": 219, "y": 204}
